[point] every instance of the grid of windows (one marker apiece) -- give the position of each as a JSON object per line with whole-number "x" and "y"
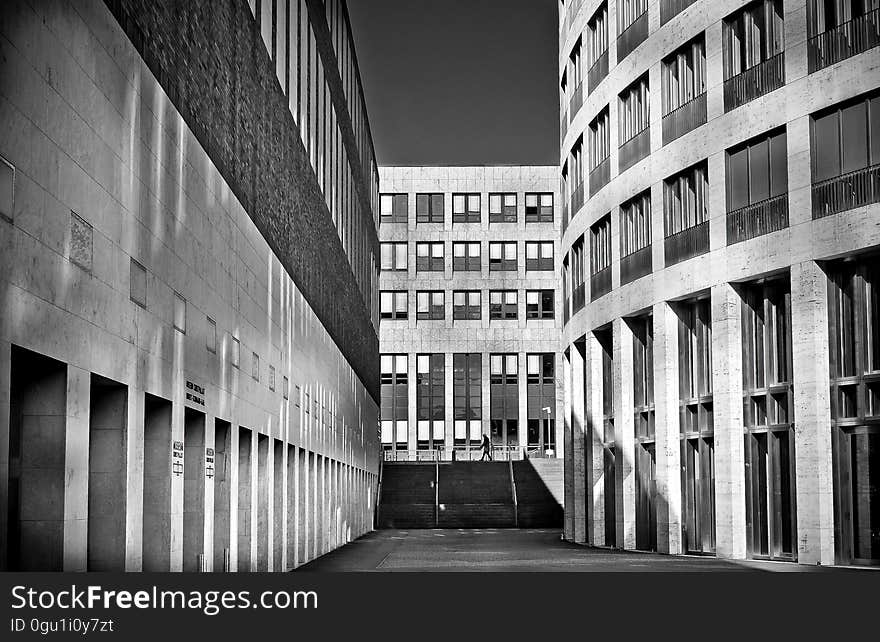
{"x": 502, "y": 208}
{"x": 465, "y": 208}
{"x": 429, "y": 208}
{"x": 503, "y": 304}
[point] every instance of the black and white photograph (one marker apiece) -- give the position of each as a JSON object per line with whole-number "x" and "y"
{"x": 393, "y": 316}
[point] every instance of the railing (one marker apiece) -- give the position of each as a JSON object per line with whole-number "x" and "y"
{"x": 597, "y": 72}
{"x": 536, "y": 452}
{"x": 566, "y": 310}
{"x": 430, "y": 454}
{"x": 499, "y": 453}
{"x": 632, "y": 36}
{"x": 578, "y": 298}
{"x": 671, "y": 8}
{"x": 600, "y": 283}
{"x": 844, "y": 41}
{"x": 577, "y": 99}
{"x": 577, "y": 199}
{"x": 757, "y": 219}
{"x": 687, "y": 244}
{"x": 635, "y": 265}
{"x": 754, "y": 82}
{"x": 635, "y": 149}
{"x": 841, "y": 193}
{"x": 684, "y": 118}
{"x": 600, "y": 175}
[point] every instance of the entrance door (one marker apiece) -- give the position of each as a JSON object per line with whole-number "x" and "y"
{"x": 646, "y": 510}
{"x": 858, "y": 481}
{"x": 769, "y": 495}
{"x": 698, "y": 489}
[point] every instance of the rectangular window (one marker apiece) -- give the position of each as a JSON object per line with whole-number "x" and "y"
{"x": 684, "y": 75}
{"x": 686, "y": 199}
{"x": 502, "y": 304}
{"x": 597, "y": 44}
{"x": 541, "y": 401}
{"x": 138, "y": 283}
{"x": 465, "y": 208}
{"x": 757, "y": 170}
{"x": 539, "y": 208}
{"x": 286, "y": 388}
{"x": 503, "y": 400}
{"x": 429, "y": 208}
{"x": 7, "y": 189}
{"x": 430, "y": 400}
{"x": 393, "y": 304}
{"x": 394, "y": 406}
{"x": 466, "y": 305}
{"x": 393, "y": 208}
{"x": 393, "y": 256}
{"x": 752, "y": 35}
{"x": 633, "y": 123}
{"x": 430, "y": 305}
{"x": 467, "y": 397}
{"x": 255, "y": 367}
{"x": 635, "y": 237}
{"x": 272, "y": 378}
{"x": 430, "y": 257}
{"x": 539, "y": 256}
{"x": 600, "y": 257}
{"x": 539, "y": 304}
{"x": 179, "y": 313}
{"x": 502, "y": 256}
{"x": 466, "y": 257}
{"x": 599, "y": 139}
{"x": 502, "y": 208}
{"x": 235, "y": 355}
{"x": 211, "y": 335}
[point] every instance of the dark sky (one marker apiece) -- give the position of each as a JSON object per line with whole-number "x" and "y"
{"x": 460, "y": 82}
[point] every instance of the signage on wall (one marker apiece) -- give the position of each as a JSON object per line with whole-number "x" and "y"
{"x": 177, "y": 458}
{"x": 209, "y": 462}
{"x": 195, "y": 393}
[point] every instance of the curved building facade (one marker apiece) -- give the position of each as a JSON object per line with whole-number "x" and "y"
{"x": 721, "y": 170}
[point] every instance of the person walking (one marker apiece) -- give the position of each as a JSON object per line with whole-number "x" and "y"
{"x": 487, "y": 448}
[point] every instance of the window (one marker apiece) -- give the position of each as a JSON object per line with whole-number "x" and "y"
{"x": 539, "y": 208}
{"x": 597, "y": 42}
{"x": 235, "y": 352}
{"x": 211, "y": 335}
{"x": 502, "y": 304}
{"x": 628, "y": 11}
{"x": 394, "y": 405}
{"x": 465, "y": 208}
{"x": 179, "y": 313}
{"x": 466, "y": 304}
{"x": 272, "y": 378}
{"x": 502, "y": 256}
{"x": 430, "y": 400}
{"x": 634, "y": 117}
{"x": 467, "y": 398}
{"x": 684, "y": 75}
{"x": 255, "y": 367}
{"x": 539, "y": 255}
{"x": 429, "y": 208}
{"x": 81, "y": 242}
{"x": 539, "y": 304}
{"x": 7, "y": 189}
{"x": 430, "y": 305}
{"x": 632, "y": 26}
{"x": 541, "y": 401}
{"x": 393, "y": 304}
{"x": 600, "y": 257}
{"x": 502, "y": 208}
{"x": 839, "y": 29}
{"x": 752, "y": 35}
{"x": 466, "y": 257}
{"x": 575, "y": 68}
{"x": 635, "y": 237}
{"x": 430, "y": 257}
{"x": 686, "y": 199}
{"x": 393, "y": 208}
{"x": 285, "y": 388}
{"x": 600, "y": 151}
{"x": 503, "y": 400}
{"x": 393, "y": 256}
{"x": 845, "y": 154}
{"x": 138, "y": 283}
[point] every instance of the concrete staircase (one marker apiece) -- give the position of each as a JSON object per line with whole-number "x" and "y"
{"x": 499, "y": 494}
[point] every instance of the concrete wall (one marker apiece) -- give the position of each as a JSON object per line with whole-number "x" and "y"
{"x": 107, "y": 172}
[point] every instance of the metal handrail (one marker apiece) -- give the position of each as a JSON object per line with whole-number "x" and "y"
{"x": 844, "y": 41}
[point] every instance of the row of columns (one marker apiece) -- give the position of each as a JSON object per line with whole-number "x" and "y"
{"x": 585, "y": 513}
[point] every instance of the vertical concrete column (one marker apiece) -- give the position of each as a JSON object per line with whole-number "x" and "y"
{"x": 797, "y": 140}
{"x": 596, "y": 438}
{"x": 522, "y": 386}
{"x": 448, "y": 402}
{"x": 568, "y": 461}
{"x": 291, "y": 500}
{"x": 76, "y": 465}
{"x": 411, "y": 389}
{"x": 667, "y": 428}
{"x": 624, "y": 426}
{"x": 714, "y": 72}
{"x": 134, "y": 479}
{"x": 485, "y": 391}
{"x": 578, "y": 443}
{"x": 795, "y": 29}
{"x": 812, "y": 412}
{"x": 727, "y": 391}
{"x": 210, "y": 442}
{"x": 177, "y": 440}
{"x": 5, "y": 408}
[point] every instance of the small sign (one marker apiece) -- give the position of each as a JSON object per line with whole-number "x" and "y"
{"x": 195, "y": 393}
{"x": 177, "y": 457}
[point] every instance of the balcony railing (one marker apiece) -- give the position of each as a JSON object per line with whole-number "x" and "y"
{"x": 566, "y": 310}
{"x": 754, "y": 82}
{"x": 842, "y": 193}
{"x": 635, "y": 149}
{"x": 757, "y": 219}
{"x": 600, "y": 283}
{"x": 597, "y": 72}
{"x": 635, "y": 265}
{"x": 687, "y": 244}
{"x": 671, "y": 8}
{"x": 578, "y": 298}
{"x": 577, "y": 99}
{"x": 685, "y": 118}
{"x": 632, "y": 36}
{"x": 577, "y": 199}
{"x": 844, "y": 41}
{"x": 600, "y": 175}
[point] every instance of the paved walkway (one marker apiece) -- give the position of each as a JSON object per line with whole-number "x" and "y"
{"x": 510, "y": 550}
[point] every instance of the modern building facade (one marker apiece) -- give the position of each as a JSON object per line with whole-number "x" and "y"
{"x": 720, "y": 160}
{"x": 469, "y": 311}
{"x": 188, "y": 335}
